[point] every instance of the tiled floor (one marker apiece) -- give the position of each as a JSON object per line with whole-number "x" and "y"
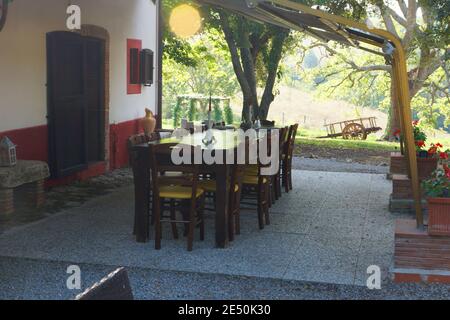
{"x": 329, "y": 229}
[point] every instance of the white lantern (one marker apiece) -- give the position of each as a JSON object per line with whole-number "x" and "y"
{"x": 8, "y": 156}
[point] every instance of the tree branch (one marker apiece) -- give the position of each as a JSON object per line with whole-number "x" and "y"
{"x": 234, "y": 53}
{"x": 389, "y": 23}
{"x": 394, "y": 15}
{"x": 411, "y": 23}
{"x": 352, "y": 64}
{"x": 403, "y": 7}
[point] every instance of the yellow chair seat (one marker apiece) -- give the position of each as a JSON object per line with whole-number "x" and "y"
{"x": 178, "y": 192}
{"x": 253, "y": 180}
{"x": 251, "y": 170}
{"x": 210, "y": 186}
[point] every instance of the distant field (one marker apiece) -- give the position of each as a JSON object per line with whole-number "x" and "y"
{"x": 301, "y": 107}
{"x": 295, "y": 106}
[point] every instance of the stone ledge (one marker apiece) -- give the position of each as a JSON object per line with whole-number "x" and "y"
{"x": 26, "y": 171}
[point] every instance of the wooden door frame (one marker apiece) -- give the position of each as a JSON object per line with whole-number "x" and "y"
{"x": 52, "y": 141}
{"x": 102, "y": 96}
{"x": 99, "y": 33}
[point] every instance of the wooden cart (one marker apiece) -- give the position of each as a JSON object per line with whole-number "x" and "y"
{"x": 356, "y": 129}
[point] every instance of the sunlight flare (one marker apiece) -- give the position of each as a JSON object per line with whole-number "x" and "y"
{"x": 185, "y": 21}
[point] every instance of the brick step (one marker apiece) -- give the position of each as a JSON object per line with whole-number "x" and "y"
{"x": 418, "y": 243}
{"x": 401, "y": 187}
{"x": 423, "y": 258}
{"x": 422, "y": 265}
{"x": 417, "y": 250}
{"x": 411, "y": 275}
{"x": 398, "y": 165}
{"x": 404, "y": 205}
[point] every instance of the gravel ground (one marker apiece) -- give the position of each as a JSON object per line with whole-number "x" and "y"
{"x": 33, "y": 279}
{"x": 333, "y": 165}
{"x": 74, "y": 195}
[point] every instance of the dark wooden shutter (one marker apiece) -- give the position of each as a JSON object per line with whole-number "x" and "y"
{"x": 67, "y": 103}
{"x": 95, "y": 99}
{"x": 147, "y": 67}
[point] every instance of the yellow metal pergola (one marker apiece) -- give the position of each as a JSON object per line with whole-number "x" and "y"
{"x": 329, "y": 27}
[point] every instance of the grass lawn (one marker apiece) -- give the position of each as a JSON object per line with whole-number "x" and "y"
{"x": 309, "y": 137}
{"x": 340, "y": 143}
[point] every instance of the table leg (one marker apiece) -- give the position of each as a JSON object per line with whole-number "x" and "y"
{"x": 142, "y": 194}
{"x": 222, "y": 196}
{"x": 6, "y": 201}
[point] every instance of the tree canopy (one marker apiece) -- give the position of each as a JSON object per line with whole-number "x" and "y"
{"x": 256, "y": 51}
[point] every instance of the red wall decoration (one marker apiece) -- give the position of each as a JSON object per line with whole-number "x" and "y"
{"x": 131, "y": 87}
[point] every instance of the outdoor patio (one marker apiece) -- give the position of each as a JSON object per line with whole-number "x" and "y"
{"x": 329, "y": 229}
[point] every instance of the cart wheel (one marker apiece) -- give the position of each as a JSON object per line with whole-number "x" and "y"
{"x": 354, "y": 131}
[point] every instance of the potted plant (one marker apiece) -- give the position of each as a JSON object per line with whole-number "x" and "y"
{"x": 420, "y": 139}
{"x": 437, "y": 189}
{"x": 427, "y": 159}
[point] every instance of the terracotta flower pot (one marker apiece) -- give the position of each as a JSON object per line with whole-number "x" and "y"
{"x": 439, "y": 216}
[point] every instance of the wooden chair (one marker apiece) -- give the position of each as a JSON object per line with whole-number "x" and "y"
{"x": 209, "y": 185}
{"x": 277, "y": 179}
{"x": 254, "y": 183}
{"x": 267, "y": 123}
{"x": 287, "y": 158}
{"x": 183, "y": 194}
{"x": 115, "y": 286}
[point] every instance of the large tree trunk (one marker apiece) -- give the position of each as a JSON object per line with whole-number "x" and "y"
{"x": 393, "y": 122}
{"x": 251, "y": 100}
{"x": 273, "y": 65}
{"x": 238, "y": 68}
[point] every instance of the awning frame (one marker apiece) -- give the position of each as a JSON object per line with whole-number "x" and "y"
{"x": 392, "y": 49}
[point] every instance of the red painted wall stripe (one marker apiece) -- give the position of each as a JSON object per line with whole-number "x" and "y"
{"x": 32, "y": 142}
{"x": 33, "y": 145}
{"x": 119, "y": 134}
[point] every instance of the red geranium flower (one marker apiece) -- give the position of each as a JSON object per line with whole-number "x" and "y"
{"x": 439, "y": 145}
{"x": 447, "y": 171}
{"x": 415, "y": 122}
{"x": 397, "y": 132}
{"x": 443, "y": 155}
{"x": 432, "y": 150}
{"x": 420, "y": 143}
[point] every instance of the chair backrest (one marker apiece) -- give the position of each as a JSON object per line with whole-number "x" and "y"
{"x": 138, "y": 139}
{"x": 161, "y": 162}
{"x": 115, "y": 286}
{"x": 289, "y": 147}
{"x": 267, "y": 123}
{"x": 237, "y": 175}
{"x": 284, "y": 132}
{"x": 219, "y": 124}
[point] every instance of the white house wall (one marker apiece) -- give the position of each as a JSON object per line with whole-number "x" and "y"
{"x": 23, "y": 67}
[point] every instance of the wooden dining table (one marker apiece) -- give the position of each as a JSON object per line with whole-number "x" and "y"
{"x": 225, "y": 141}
